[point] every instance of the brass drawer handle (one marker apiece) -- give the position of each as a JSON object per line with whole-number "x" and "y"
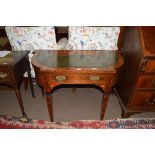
{"x": 150, "y": 101}
{"x": 94, "y": 78}
{"x": 3, "y": 75}
{"x": 60, "y": 78}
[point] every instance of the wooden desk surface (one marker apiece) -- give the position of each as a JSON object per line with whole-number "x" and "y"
{"x": 77, "y": 59}
{"x": 13, "y": 57}
{"x": 98, "y": 68}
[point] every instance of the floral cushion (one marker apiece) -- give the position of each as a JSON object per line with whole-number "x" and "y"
{"x": 31, "y": 38}
{"x": 93, "y": 38}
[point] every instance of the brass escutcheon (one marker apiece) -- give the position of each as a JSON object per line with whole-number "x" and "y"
{"x": 60, "y": 78}
{"x": 3, "y": 75}
{"x": 94, "y": 78}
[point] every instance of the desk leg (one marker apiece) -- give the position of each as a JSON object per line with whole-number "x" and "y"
{"x": 42, "y": 91}
{"x": 49, "y": 105}
{"x": 31, "y": 84}
{"x": 20, "y": 102}
{"x": 105, "y": 100}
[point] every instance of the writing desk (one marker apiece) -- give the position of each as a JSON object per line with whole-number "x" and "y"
{"x": 98, "y": 68}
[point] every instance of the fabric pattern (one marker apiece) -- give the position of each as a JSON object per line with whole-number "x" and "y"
{"x": 31, "y": 38}
{"x": 11, "y": 122}
{"x": 93, "y": 38}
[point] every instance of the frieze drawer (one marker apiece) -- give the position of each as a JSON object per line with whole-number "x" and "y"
{"x": 79, "y": 79}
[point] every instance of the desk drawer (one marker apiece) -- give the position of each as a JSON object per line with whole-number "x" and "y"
{"x": 79, "y": 79}
{"x": 146, "y": 81}
{"x": 4, "y": 75}
{"x": 143, "y": 101}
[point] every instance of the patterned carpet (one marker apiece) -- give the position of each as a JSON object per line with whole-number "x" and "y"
{"x": 11, "y": 122}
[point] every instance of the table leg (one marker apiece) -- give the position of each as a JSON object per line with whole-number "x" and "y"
{"x": 104, "y": 104}
{"x": 25, "y": 83}
{"x": 49, "y": 105}
{"x": 31, "y": 84}
{"x": 42, "y": 91}
{"x": 20, "y": 102}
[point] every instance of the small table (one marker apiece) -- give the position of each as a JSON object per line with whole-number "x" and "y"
{"x": 99, "y": 68}
{"x": 12, "y": 68}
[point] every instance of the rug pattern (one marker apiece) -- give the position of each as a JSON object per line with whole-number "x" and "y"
{"x": 11, "y": 122}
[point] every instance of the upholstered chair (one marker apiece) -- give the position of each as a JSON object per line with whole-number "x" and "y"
{"x": 93, "y": 38}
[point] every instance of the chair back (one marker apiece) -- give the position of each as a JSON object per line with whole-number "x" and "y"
{"x": 94, "y": 38}
{"x": 31, "y": 38}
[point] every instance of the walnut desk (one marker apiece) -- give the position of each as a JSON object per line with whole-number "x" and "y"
{"x": 98, "y": 68}
{"x": 12, "y": 68}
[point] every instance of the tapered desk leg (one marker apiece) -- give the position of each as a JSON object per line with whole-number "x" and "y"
{"x": 31, "y": 84}
{"x": 49, "y": 105}
{"x": 20, "y": 102}
{"x": 104, "y": 105}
